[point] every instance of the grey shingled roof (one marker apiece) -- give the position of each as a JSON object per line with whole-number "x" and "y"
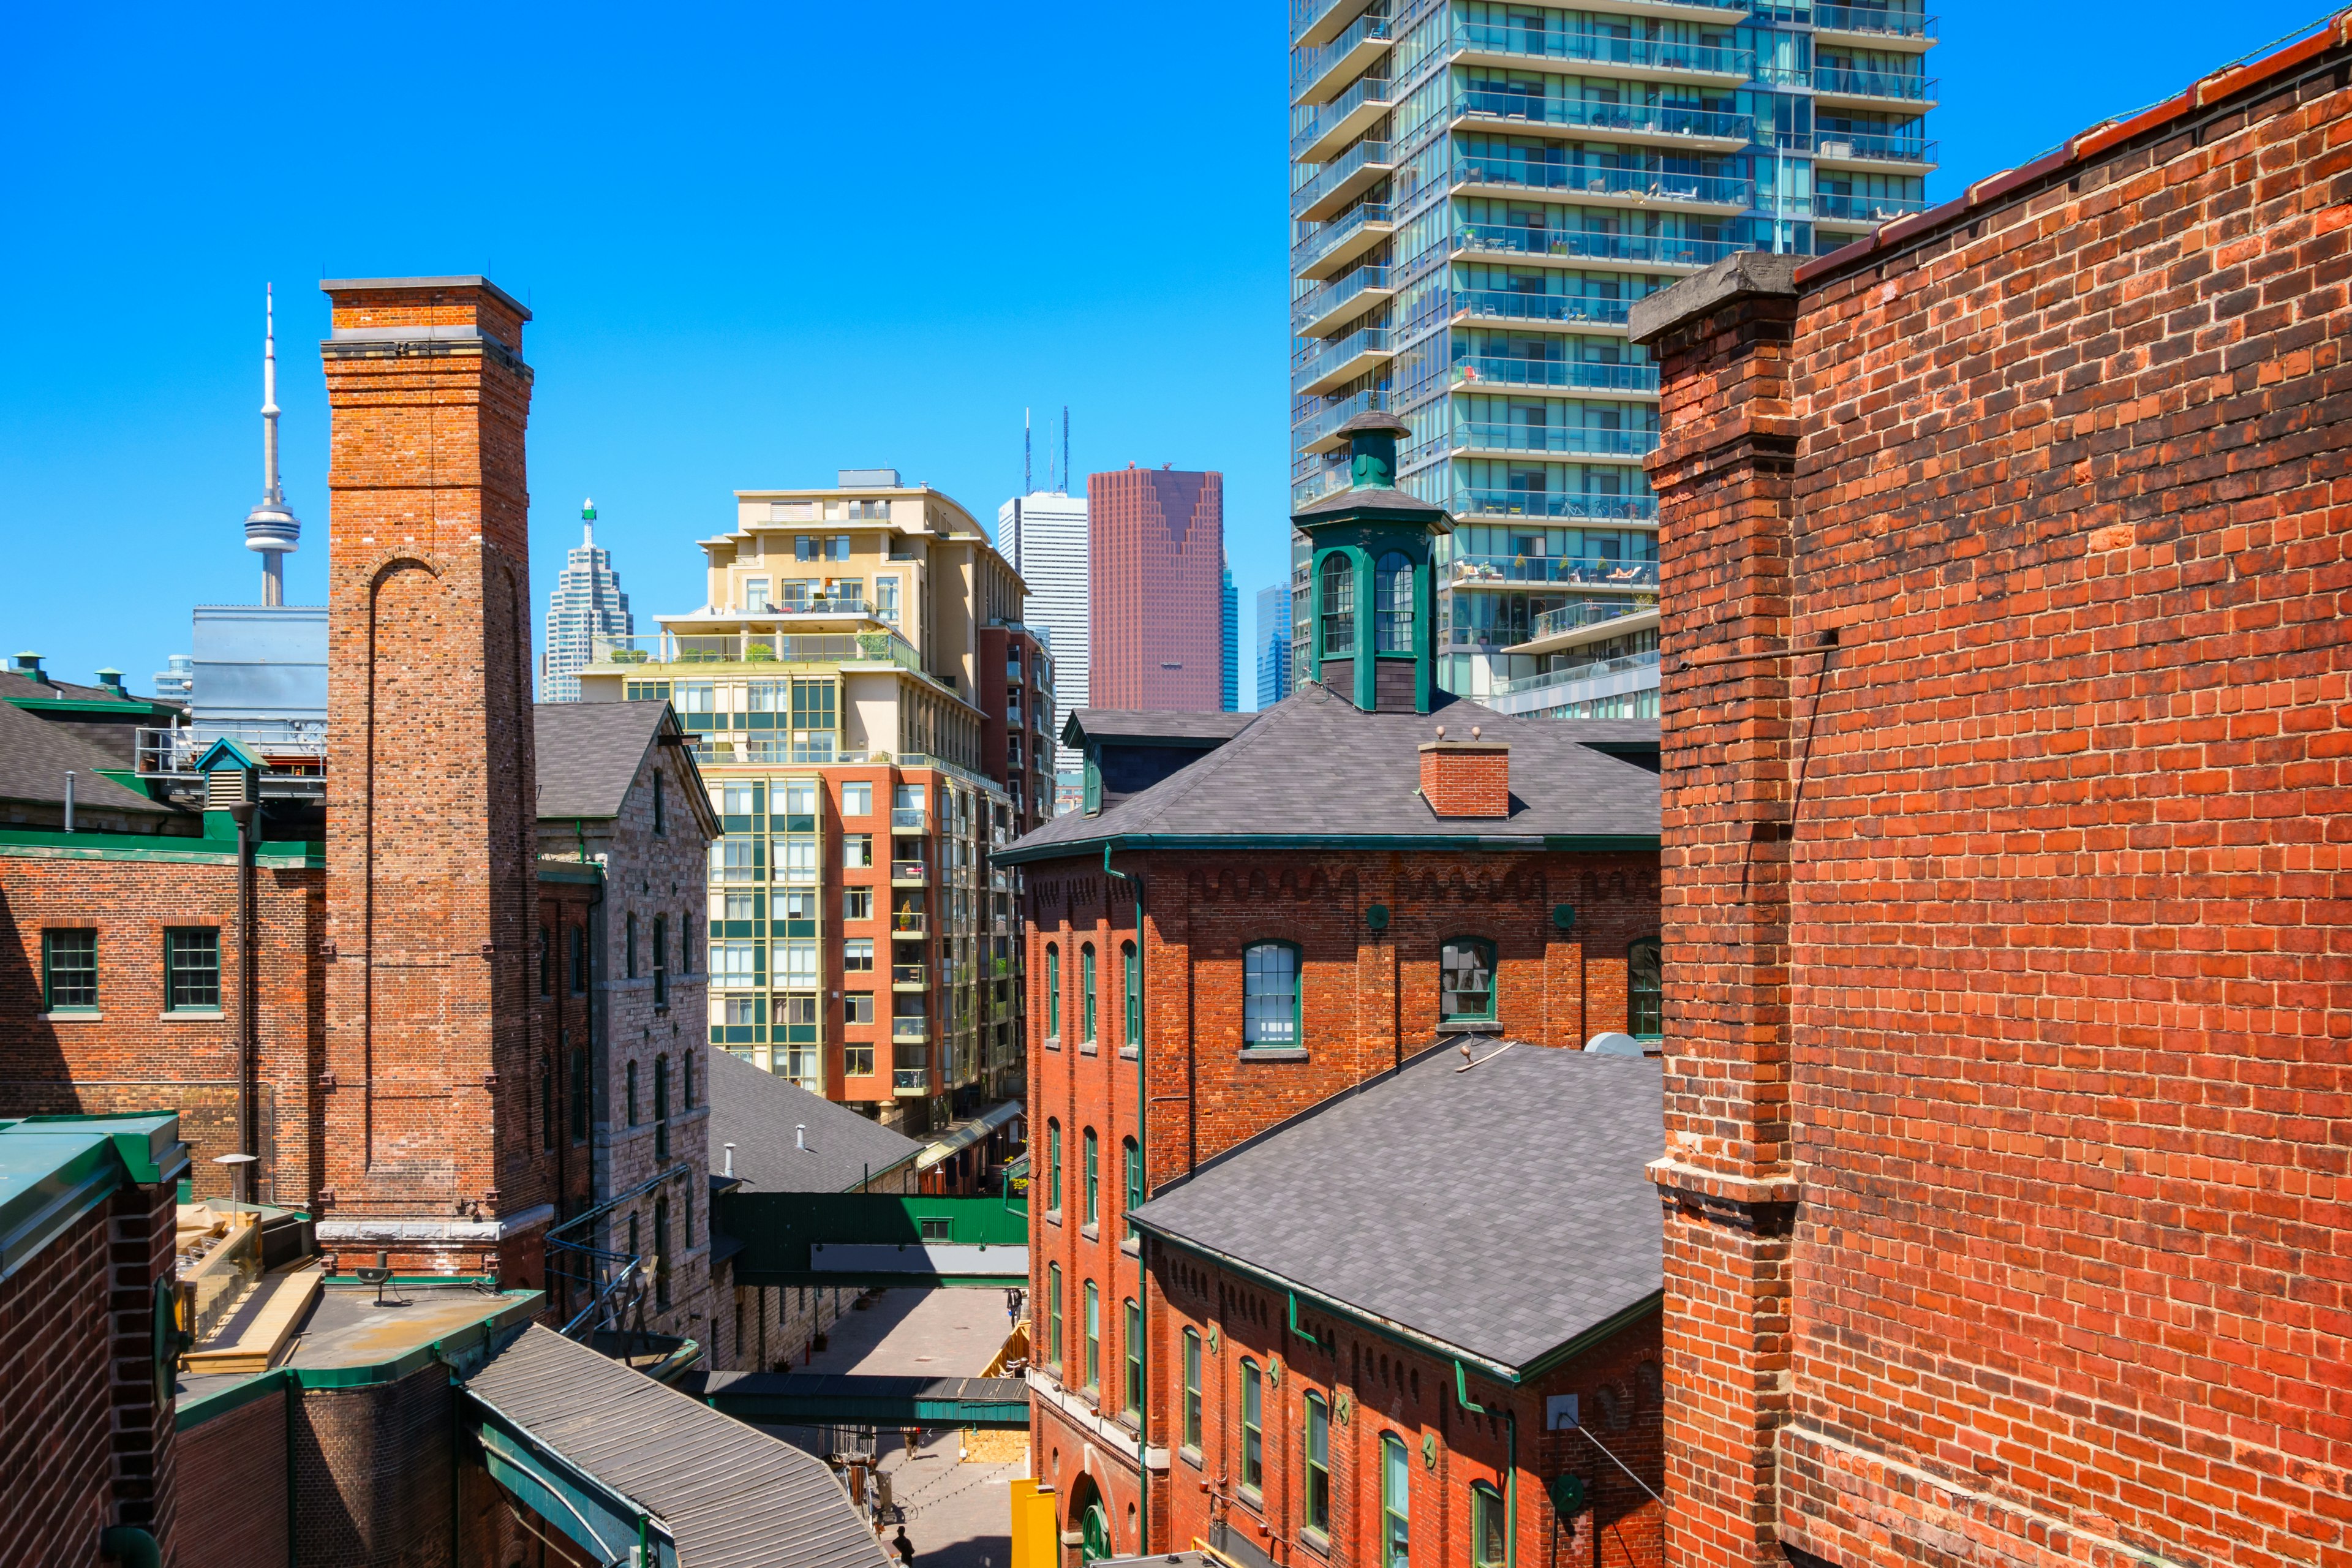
{"x": 589, "y": 754}
{"x": 35, "y": 755}
{"x": 730, "y": 1494}
{"x": 1153, "y": 724}
{"x": 756, "y": 1110}
{"x": 1314, "y": 764}
{"x": 1503, "y": 1211}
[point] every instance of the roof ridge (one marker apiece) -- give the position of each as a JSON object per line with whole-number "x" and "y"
{"x": 1192, "y": 774}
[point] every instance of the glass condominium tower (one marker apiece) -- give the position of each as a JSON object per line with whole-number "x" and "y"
{"x": 1479, "y": 192}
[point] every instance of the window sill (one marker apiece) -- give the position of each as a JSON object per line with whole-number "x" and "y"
{"x": 1314, "y": 1540}
{"x": 191, "y": 1016}
{"x": 1191, "y": 1456}
{"x": 72, "y": 1015}
{"x": 1088, "y": 1048}
{"x": 1469, "y": 1027}
{"x": 1053, "y": 1042}
{"x": 1054, "y": 1216}
{"x": 1127, "y": 1053}
{"x": 1273, "y": 1053}
{"x": 1091, "y": 1231}
{"x": 1131, "y": 1247}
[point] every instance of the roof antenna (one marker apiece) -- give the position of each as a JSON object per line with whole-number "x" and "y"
{"x": 271, "y": 528}
{"x": 1025, "y": 487}
{"x": 1066, "y": 451}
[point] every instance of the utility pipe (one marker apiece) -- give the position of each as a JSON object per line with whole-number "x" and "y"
{"x": 247, "y": 994}
{"x": 1511, "y": 1477}
{"x": 1142, "y": 1276}
{"x": 69, "y": 799}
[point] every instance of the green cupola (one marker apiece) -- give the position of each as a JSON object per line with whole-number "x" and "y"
{"x": 1372, "y": 633}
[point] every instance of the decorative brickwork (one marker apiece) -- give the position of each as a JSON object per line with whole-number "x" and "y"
{"x": 2005, "y": 683}
{"x": 1467, "y": 778}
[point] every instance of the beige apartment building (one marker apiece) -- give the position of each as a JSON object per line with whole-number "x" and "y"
{"x": 871, "y": 719}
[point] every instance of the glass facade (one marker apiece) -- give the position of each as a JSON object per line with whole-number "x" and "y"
{"x": 1479, "y": 193}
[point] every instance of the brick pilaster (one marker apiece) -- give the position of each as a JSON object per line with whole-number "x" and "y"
{"x": 1724, "y": 474}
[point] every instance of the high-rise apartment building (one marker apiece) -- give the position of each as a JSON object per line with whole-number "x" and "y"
{"x": 587, "y": 604}
{"x": 1229, "y": 643}
{"x": 1156, "y": 573}
{"x": 1273, "y": 644}
{"x": 1044, "y": 534}
{"x": 869, "y": 712}
{"x": 1479, "y": 195}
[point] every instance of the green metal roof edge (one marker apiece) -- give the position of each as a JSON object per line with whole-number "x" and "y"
{"x": 150, "y": 1158}
{"x": 290, "y": 854}
{"x": 1607, "y": 1328}
{"x": 586, "y": 875}
{"x": 39, "y": 1210}
{"x": 112, "y": 708}
{"x": 1072, "y": 847}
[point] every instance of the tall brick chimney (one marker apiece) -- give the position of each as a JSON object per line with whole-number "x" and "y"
{"x": 431, "y": 826}
{"x": 1467, "y": 778}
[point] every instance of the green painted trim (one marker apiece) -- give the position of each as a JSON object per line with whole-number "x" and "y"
{"x": 43, "y": 844}
{"x": 588, "y": 874}
{"x": 853, "y": 1281}
{"x": 1073, "y": 848}
{"x": 112, "y": 708}
{"x": 1653, "y": 1302}
{"x": 127, "y": 777}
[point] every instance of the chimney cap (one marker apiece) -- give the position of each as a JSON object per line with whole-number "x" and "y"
{"x": 1375, "y": 419}
{"x": 333, "y": 286}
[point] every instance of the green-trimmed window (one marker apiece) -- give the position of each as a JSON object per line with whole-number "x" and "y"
{"x": 1396, "y": 1503}
{"x": 69, "y": 970}
{"x": 1336, "y": 597}
{"x": 1645, "y": 990}
{"x": 1131, "y": 1337}
{"x": 1091, "y": 1175}
{"x": 1393, "y": 603}
{"x": 1486, "y": 1528}
{"x": 1087, "y": 991}
{"x": 1466, "y": 978}
{"x": 1318, "y": 1514}
{"x": 1192, "y": 1390}
{"x": 1131, "y": 979}
{"x": 1053, "y": 992}
{"x": 192, "y": 969}
{"x": 1252, "y": 1428}
{"x": 1270, "y": 994}
{"x": 1054, "y": 1169}
{"x": 1131, "y": 1168}
{"x": 1053, "y": 1314}
{"x": 1092, "y": 1326}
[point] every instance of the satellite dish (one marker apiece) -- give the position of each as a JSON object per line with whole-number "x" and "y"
{"x": 1609, "y": 1043}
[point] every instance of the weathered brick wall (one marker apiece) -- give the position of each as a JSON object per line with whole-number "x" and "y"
{"x": 2007, "y": 1004}
{"x": 1464, "y": 778}
{"x": 232, "y": 1488}
{"x": 133, "y": 1055}
{"x": 374, "y": 1473}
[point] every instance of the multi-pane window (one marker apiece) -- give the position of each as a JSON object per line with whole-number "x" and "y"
{"x": 661, "y": 1251}
{"x": 1091, "y": 1175}
{"x": 192, "y": 969}
{"x": 1132, "y": 1344}
{"x": 69, "y": 970}
{"x": 1396, "y": 1503}
{"x": 886, "y": 599}
{"x": 1465, "y": 979}
{"x": 796, "y": 965}
{"x": 546, "y": 1105}
{"x": 579, "y": 961}
{"x": 1086, "y": 991}
{"x": 1191, "y": 1390}
{"x": 856, "y": 851}
{"x": 1131, "y": 980}
{"x": 858, "y": 1007}
{"x": 1339, "y": 606}
{"x": 1053, "y": 1315}
{"x": 1318, "y": 1514}
{"x": 858, "y": 1058}
{"x": 857, "y": 904}
{"x": 857, "y": 955}
{"x": 1252, "y": 1428}
{"x": 1270, "y": 994}
{"x": 661, "y": 961}
{"x": 857, "y": 799}
{"x": 735, "y": 966}
{"x": 1645, "y": 990}
{"x": 1053, "y": 1167}
{"x": 1053, "y": 992}
{"x": 1131, "y": 1162}
{"x": 1486, "y": 1538}
{"x": 1092, "y": 1326}
{"x": 1393, "y": 601}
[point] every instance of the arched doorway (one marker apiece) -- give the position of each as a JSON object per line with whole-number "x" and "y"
{"x": 1090, "y": 1520}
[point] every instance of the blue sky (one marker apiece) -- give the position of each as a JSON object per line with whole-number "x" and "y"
{"x": 762, "y": 243}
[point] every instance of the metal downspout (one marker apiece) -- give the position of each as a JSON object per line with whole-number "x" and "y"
{"x": 1142, "y": 1276}
{"x": 247, "y": 993}
{"x": 1511, "y": 1479}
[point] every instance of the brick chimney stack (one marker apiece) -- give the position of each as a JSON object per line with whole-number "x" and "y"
{"x": 431, "y": 827}
{"x": 1467, "y": 778}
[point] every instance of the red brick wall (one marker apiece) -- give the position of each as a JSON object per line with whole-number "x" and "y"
{"x": 374, "y": 1472}
{"x": 1466, "y": 779}
{"x": 232, "y": 1488}
{"x": 1155, "y": 569}
{"x": 2005, "y": 990}
{"x": 430, "y": 837}
{"x": 135, "y": 1056}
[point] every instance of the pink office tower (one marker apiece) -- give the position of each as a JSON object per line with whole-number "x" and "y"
{"x": 1155, "y": 557}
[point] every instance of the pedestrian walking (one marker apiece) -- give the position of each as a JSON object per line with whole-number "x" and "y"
{"x": 903, "y": 1547}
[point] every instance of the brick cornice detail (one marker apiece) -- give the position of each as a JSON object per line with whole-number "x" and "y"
{"x": 1724, "y": 1187}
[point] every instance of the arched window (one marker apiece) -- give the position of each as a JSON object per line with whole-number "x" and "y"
{"x": 1092, "y": 1177}
{"x": 1131, "y": 979}
{"x": 1645, "y": 990}
{"x": 1396, "y": 1503}
{"x": 1192, "y": 1390}
{"x": 1252, "y": 1428}
{"x": 1466, "y": 978}
{"x": 1486, "y": 1536}
{"x": 1053, "y": 1314}
{"x": 1053, "y": 994}
{"x": 1053, "y": 1167}
{"x": 1270, "y": 1015}
{"x": 1318, "y": 1514}
{"x": 1338, "y": 596}
{"x": 1392, "y": 599}
{"x": 1087, "y": 991}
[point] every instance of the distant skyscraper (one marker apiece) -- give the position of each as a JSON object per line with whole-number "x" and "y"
{"x": 587, "y": 604}
{"x": 1228, "y": 638}
{"x": 1156, "y": 568}
{"x": 1044, "y": 534}
{"x": 1273, "y": 644}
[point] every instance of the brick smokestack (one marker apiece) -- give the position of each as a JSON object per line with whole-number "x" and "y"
{"x": 431, "y": 827}
{"x": 1467, "y": 778}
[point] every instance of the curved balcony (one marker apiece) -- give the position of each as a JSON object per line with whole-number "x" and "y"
{"x": 1518, "y": 112}
{"x": 1586, "y": 245}
{"x": 1566, "y": 309}
{"x": 1313, "y": 434}
{"x": 1612, "y": 183}
{"x": 1555, "y": 375}
{"x": 1553, "y": 506}
{"x": 1577, "y": 683}
{"x": 1581, "y": 614}
{"x": 1512, "y": 42}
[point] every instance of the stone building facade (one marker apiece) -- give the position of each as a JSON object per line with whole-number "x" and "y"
{"x": 2004, "y": 719}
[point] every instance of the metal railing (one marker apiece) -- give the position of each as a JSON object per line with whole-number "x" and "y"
{"x": 1881, "y": 19}
{"x": 1659, "y": 249}
{"x": 1370, "y": 90}
{"x": 1312, "y": 64}
{"x": 910, "y": 975}
{"x": 917, "y": 1029}
{"x": 298, "y": 746}
{"x": 1586, "y": 612}
{"x": 1553, "y": 504}
{"x": 815, "y": 604}
{"x": 1324, "y": 421}
{"x": 1601, "y": 180}
{"x": 1842, "y": 208}
{"x": 1320, "y": 358}
{"x": 1576, "y": 674}
{"x": 1838, "y": 144}
{"x": 1313, "y": 306}
{"x": 1851, "y": 82}
{"x": 757, "y": 648}
{"x": 610, "y": 1279}
{"x": 1601, "y": 48}
{"x": 1578, "y": 440}
{"x": 1327, "y": 238}
{"x": 1536, "y": 108}
{"x": 1337, "y": 171}
{"x": 1499, "y": 369}
{"x": 1514, "y": 307}
{"x": 908, "y": 871}
{"x": 910, "y": 1077}
{"x": 1561, "y": 571}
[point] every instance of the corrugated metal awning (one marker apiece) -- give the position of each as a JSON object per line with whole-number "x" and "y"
{"x": 963, "y": 1135}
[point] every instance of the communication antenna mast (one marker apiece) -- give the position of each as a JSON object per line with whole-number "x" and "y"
{"x": 1066, "y": 451}
{"x": 1024, "y": 452}
{"x": 271, "y": 528}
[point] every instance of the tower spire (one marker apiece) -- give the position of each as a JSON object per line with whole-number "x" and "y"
{"x": 271, "y": 527}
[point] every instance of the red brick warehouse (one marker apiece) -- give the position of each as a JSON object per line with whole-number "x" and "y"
{"x": 1155, "y": 567}
{"x": 2007, "y": 694}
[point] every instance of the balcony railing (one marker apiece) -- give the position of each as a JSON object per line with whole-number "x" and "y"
{"x": 911, "y": 1080}
{"x": 908, "y": 922}
{"x": 1655, "y": 119}
{"x": 758, "y": 648}
{"x": 1881, "y": 19}
{"x": 1554, "y": 504}
{"x": 1569, "y": 440}
{"x": 1585, "y": 613}
{"x": 1328, "y": 237}
{"x": 1516, "y": 307}
{"x": 1600, "y": 49}
{"x": 908, "y": 818}
{"x": 1370, "y": 91}
{"x": 1336, "y": 172}
{"x": 1496, "y": 370}
{"x": 1320, "y": 302}
{"x": 1656, "y": 249}
{"x": 908, "y": 871}
{"x": 1324, "y": 421}
{"x": 1310, "y": 64}
{"x": 815, "y": 604}
{"x": 287, "y": 746}
{"x": 1575, "y": 673}
{"x": 1847, "y": 81}
{"x": 1837, "y": 144}
{"x": 1839, "y": 208}
{"x": 1316, "y": 360}
{"x": 1565, "y": 571}
{"x": 910, "y": 975}
{"x": 916, "y": 1029}
{"x": 1603, "y": 180}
